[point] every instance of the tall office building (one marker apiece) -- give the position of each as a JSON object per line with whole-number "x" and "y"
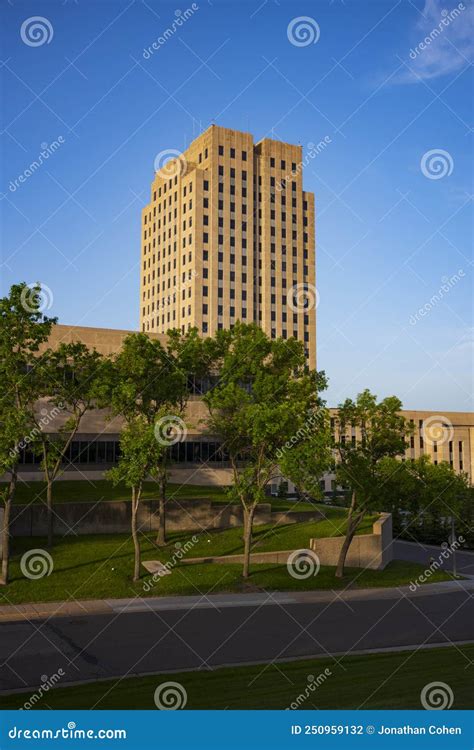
{"x": 229, "y": 235}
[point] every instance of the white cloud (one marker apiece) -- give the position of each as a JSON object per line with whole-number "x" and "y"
{"x": 441, "y": 41}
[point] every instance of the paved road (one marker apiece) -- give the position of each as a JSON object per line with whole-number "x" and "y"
{"x": 104, "y": 645}
{"x": 421, "y": 553}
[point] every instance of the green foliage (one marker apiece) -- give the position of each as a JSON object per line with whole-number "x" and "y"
{"x": 383, "y": 434}
{"x": 23, "y": 329}
{"x": 423, "y": 497}
{"x": 262, "y": 398}
{"x": 140, "y": 451}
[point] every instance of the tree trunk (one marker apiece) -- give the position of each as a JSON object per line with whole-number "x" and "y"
{"x": 248, "y": 526}
{"x": 136, "y": 542}
{"x": 343, "y": 553}
{"x": 6, "y": 530}
{"x": 352, "y": 525}
{"x": 161, "y": 537}
{"x": 49, "y": 506}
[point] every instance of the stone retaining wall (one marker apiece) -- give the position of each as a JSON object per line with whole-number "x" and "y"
{"x": 372, "y": 551}
{"x": 114, "y": 517}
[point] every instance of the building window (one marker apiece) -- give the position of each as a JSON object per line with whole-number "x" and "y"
{"x": 221, "y": 150}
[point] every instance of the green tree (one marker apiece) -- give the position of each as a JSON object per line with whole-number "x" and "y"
{"x": 382, "y": 431}
{"x": 139, "y": 453}
{"x": 262, "y": 398}
{"x": 23, "y": 329}
{"x": 191, "y": 357}
{"x": 74, "y": 379}
{"x": 424, "y": 497}
{"x": 150, "y": 390}
{"x": 309, "y": 456}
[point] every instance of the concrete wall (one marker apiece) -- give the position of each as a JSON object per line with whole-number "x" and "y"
{"x": 372, "y": 551}
{"x": 198, "y": 475}
{"x": 114, "y": 517}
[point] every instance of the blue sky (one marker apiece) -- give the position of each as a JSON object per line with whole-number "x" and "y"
{"x": 390, "y": 230}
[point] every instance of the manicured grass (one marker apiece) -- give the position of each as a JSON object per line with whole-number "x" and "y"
{"x": 100, "y": 567}
{"x": 375, "y": 681}
{"x": 83, "y": 491}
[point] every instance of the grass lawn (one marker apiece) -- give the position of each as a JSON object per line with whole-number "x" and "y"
{"x": 375, "y": 681}
{"x": 82, "y": 491}
{"x": 99, "y": 566}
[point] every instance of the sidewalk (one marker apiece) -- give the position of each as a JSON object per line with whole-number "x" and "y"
{"x": 44, "y": 611}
